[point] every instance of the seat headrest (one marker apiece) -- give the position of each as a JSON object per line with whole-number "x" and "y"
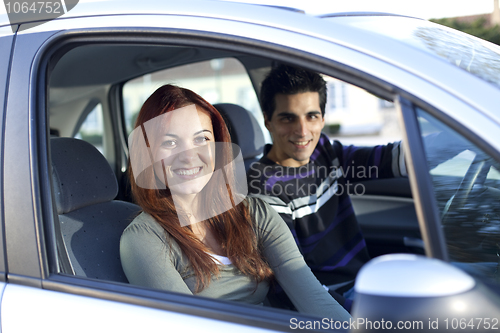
{"x": 81, "y": 175}
{"x": 244, "y": 129}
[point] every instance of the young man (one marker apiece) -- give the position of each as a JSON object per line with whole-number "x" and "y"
{"x": 308, "y": 180}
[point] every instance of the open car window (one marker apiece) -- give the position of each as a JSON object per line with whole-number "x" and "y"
{"x": 356, "y": 113}
{"x": 353, "y": 115}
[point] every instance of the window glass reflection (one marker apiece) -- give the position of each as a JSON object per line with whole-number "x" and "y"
{"x": 467, "y": 189}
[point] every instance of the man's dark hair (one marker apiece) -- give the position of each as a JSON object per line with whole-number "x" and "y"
{"x": 289, "y": 80}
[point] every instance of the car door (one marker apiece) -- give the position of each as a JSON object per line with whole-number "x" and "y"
{"x": 36, "y": 257}
{"x": 38, "y": 263}
{"x": 6, "y": 42}
{"x": 35, "y": 254}
{"x": 39, "y": 282}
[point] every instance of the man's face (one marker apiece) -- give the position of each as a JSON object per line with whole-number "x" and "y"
{"x": 295, "y": 126}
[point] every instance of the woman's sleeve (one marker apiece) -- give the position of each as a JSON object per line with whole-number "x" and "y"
{"x": 290, "y": 269}
{"x": 147, "y": 260}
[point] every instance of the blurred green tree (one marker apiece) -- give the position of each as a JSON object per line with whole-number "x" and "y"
{"x": 479, "y": 28}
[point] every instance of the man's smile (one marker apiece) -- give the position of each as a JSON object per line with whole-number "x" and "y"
{"x": 301, "y": 144}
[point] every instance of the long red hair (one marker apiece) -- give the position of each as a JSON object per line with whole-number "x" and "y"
{"x": 233, "y": 230}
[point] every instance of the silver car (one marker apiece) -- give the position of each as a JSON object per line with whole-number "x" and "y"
{"x": 84, "y": 73}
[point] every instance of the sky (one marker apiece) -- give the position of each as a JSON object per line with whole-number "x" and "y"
{"x": 425, "y": 9}
{"x": 418, "y": 8}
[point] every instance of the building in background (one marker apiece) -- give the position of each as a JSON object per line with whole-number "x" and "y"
{"x": 490, "y": 19}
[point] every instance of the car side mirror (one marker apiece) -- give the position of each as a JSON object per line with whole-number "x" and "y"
{"x": 404, "y": 291}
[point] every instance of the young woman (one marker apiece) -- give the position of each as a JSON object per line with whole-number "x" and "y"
{"x": 195, "y": 234}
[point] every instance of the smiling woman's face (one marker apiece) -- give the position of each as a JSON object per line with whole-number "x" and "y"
{"x": 184, "y": 150}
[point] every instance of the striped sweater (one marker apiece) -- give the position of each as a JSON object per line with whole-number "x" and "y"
{"x": 314, "y": 201}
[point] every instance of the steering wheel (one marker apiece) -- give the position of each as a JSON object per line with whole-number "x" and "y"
{"x": 475, "y": 175}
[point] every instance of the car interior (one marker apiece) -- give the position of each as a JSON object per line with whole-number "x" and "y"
{"x": 91, "y": 94}
{"x": 94, "y": 94}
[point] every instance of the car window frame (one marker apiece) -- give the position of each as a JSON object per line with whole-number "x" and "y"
{"x": 420, "y": 182}
{"x": 7, "y": 42}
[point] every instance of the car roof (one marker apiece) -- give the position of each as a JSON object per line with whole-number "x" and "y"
{"x": 206, "y": 8}
{"x": 269, "y": 15}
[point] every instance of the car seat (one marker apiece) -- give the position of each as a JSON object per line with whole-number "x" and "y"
{"x": 91, "y": 222}
{"x": 244, "y": 130}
